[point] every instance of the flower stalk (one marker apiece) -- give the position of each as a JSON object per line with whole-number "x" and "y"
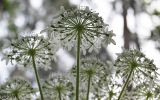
{"x": 78, "y": 64}
{"x": 59, "y": 94}
{"x": 88, "y": 89}
{"x": 147, "y": 98}
{"x": 126, "y": 83}
{"x": 148, "y": 95}
{"x": 17, "y": 97}
{"x": 37, "y": 77}
{"x": 111, "y": 95}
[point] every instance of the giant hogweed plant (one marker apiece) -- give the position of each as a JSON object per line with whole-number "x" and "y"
{"x": 90, "y": 78}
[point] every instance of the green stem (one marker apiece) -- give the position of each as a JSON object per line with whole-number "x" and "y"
{"x": 88, "y": 89}
{"x": 147, "y": 98}
{"x": 37, "y": 77}
{"x": 17, "y": 97}
{"x": 110, "y": 95}
{"x": 126, "y": 83}
{"x": 78, "y": 64}
{"x": 59, "y": 94}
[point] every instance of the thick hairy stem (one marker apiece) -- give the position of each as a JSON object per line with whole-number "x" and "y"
{"x": 78, "y": 65}
{"x": 88, "y": 89}
{"x": 37, "y": 77}
{"x": 125, "y": 85}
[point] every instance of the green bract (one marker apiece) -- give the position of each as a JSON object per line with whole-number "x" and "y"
{"x": 84, "y": 23}
{"x": 16, "y": 89}
{"x": 25, "y": 47}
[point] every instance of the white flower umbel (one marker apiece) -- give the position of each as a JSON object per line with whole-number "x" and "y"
{"x": 94, "y": 74}
{"x": 133, "y": 66}
{"x": 58, "y": 87}
{"x": 83, "y": 23}
{"x": 81, "y": 28}
{"x": 24, "y": 48}
{"x": 16, "y": 89}
{"x": 34, "y": 50}
{"x": 144, "y": 91}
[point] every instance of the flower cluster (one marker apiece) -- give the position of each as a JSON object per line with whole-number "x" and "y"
{"x": 23, "y": 49}
{"x": 16, "y": 89}
{"x": 95, "y": 79}
{"x": 95, "y": 72}
{"x": 58, "y": 87}
{"x": 83, "y": 23}
{"x": 144, "y": 91}
{"x": 142, "y": 68}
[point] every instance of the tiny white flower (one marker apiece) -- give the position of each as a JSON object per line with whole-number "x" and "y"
{"x": 58, "y": 87}
{"x": 94, "y": 72}
{"x": 24, "y": 48}
{"x": 16, "y": 89}
{"x": 81, "y": 22}
{"x": 144, "y": 91}
{"x": 143, "y": 69}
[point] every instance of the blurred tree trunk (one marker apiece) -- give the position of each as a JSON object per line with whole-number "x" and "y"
{"x": 126, "y": 32}
{"x": 128, "y": 36}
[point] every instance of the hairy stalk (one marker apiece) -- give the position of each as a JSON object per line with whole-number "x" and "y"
{"x": 59, "y": 95}
{"x": 37, "y": 77}
{"x": 126, "y": 83}
{"x": 88, "y": 89}
{"x": 78, "y": 64}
